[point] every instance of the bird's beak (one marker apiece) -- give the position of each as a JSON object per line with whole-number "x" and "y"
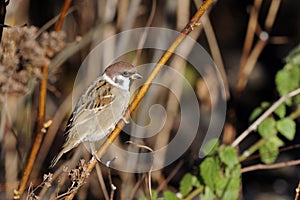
{"x": 136, "y": 75}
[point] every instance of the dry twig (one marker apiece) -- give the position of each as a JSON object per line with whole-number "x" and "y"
{"x": 254, "y": 125}
{"x": 3, "y": 5}
{"x": 297, "y": 191}
{"x": 101, "y": 182}
{"x": 249, "y": 59}
{"x": 41, "y": 116}
{"x": 148, "y": 180}
{"x": 271, "y": 166}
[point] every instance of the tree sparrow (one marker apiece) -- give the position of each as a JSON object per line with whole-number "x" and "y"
{"x": 100, "y": 107}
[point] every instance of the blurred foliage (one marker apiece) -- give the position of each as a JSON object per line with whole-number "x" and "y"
{"x": 287, "y": 80}
{"x": 220, "y": 172}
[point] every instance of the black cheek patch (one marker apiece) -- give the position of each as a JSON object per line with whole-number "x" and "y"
{"x": 119, "y": 81}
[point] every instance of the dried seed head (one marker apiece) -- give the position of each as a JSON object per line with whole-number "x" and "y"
{"x": 22, "y": 55}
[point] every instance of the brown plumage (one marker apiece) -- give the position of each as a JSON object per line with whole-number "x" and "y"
{"x": 100, "y": 107}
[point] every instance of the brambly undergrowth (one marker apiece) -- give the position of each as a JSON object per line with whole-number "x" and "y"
{"x": 219, "y": 175}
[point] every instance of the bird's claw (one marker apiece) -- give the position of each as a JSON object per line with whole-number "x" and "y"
{"x": 125, "y": 120}
{"x": 96, "y": 157}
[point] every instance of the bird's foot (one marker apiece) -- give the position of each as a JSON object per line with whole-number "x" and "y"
{"x": 125, "y": 120}
{"x": 96, "y": 157}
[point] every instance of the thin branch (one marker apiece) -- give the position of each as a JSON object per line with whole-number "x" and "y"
{"x": 3, "y": 5}
{"x": 246, "y": 70}
{"x": 251, "y": 150}
{"x": 271, "y": 166}
{"x": 52, "y": 21}
{"x": 294, "y": 115}
{"x": 171, "y": 175}
{"x": 214, "y": 49}
{"x": 61, "y": 175}
{"x": 150, "y": 170}
{"x": 41, "y": 116}
{"x": 112, "y": 186}
{"x": 194, "y": 193}
{"x": 40, "y": 135}
{"x": 189, "y": 28}
{"x": 273, "y": 10}
{"x": 281, "y": 150}
{"x": 145, "y": 33}
{"x": 101, "y": 182}
{"x": 62, "y": 15}
{"x": 253, "y": 19}
{"x": 248, "y": 63}
{"x": 254, "y": 125}
{"x": 59, "y": 116}
{"x": 136, "y": 186}
{"x": 73, "y": 48}
{"x": 297, "y": 192}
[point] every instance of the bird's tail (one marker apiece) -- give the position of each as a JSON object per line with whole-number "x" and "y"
{"x": 56, "y": 158}
{"x": 67, "y": 147}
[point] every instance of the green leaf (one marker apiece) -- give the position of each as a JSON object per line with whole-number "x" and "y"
{"x": 280, "y": 111}
{"x": 208, "y": 194}
{"x": 287, "y": 127}
{"x": 255, "y": 113}
{"x": 228, "y": 155}
{"x": 236, "y": 172}
{"x": 209, "y": 170}
{"x": 276, "y": 141}
{"x": 228, "y": 186}
{"x": 232, "y": 189}
{"x": 297, "y": 99}
{"x": 187, "y": 183}
{"x": 221, "y": 186}
{"x": 288, "y": 79}
{"x": 283, "y": 86}
{"x": 168, "y": 195}
{"x": 295, "y": 60}
{"x": 154, "y": 196}
{"x": 267, "y": 128}
{"x": 294, "y": 56}
{"x": 264, "y": 105}
{"x": 269, "y": 151}
{"x": 210, "y": 147}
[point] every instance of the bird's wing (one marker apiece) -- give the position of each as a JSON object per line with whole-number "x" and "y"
{"x": 97, "y": 96}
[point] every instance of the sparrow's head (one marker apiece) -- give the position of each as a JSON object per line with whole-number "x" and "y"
{"x": 120, "y": 74}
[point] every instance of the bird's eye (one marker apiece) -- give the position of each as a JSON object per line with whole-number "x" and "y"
{"x": 126, "y": 74}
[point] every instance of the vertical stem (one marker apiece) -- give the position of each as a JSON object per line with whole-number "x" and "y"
{"x": 248, "y": 62}
{"x": 297, "y": 191}
{"x": 62, "y": 15}
{"x": 39, "y": 136}
{"x": 252, "y": 24}
{"x": 41, "y": 116}
{"x": 3, "y": 5}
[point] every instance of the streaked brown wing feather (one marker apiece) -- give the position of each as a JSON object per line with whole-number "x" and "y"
{"x": 95, "y": 98}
